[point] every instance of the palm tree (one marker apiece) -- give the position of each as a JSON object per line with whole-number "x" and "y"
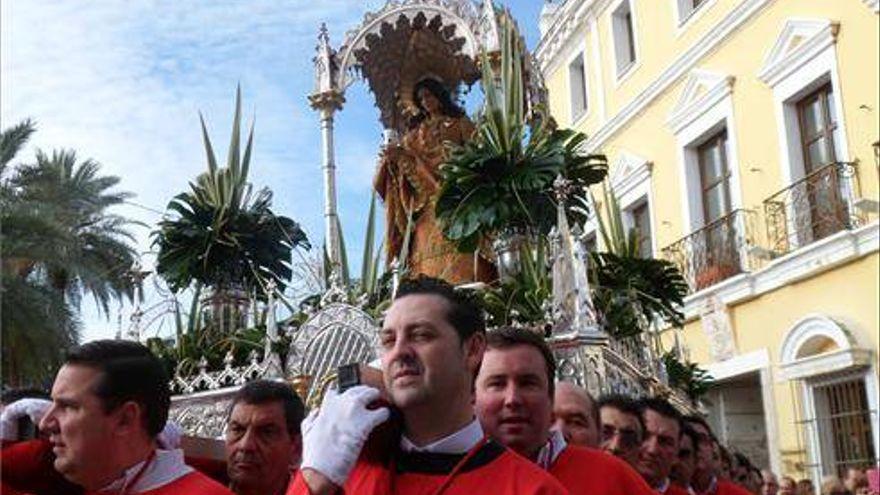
{"x": 97, "y": 256}
{"x": 59, "y": 243}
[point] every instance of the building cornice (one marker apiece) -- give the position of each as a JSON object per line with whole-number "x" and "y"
{"x": 706, "y": 44}
{"x": 873, "y": 5}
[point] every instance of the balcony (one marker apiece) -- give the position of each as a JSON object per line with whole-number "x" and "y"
{"x": 811, "y": 209}
{"x": 715, "y": 252}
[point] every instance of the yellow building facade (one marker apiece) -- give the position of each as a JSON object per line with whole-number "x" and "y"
{"x": 742, "y": 137}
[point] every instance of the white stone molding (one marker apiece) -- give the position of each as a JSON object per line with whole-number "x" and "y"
{"x": 683, "y": 22}
{"x": 803, "y": 58}
{"x": 806, "y": 331}
{"x": 702, "y": 90}
{"x": 755, "y": 361}
{"x": 800, "y": 41}
{"x": 710, "y": 41}
{"x": 631, "y": 183}
{"x": 873, "y": 5}
{"x": 703, "y": 109}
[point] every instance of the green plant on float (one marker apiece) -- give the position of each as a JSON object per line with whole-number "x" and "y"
{"x": 629, "y": 290}
{"x": 522, "y": 298}
{"x": 222, "y": 233}
{"x": 694, "y": 381}
{"x": 502, "y": 179}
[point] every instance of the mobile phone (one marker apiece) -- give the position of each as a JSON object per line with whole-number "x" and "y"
{"x": 347, "y": 376}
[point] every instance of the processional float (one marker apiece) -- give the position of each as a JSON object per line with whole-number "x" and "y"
{"x": 390, "y": 51}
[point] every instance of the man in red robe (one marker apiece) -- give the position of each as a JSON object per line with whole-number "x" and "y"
{"x": 660, "y": 443}
{"x": 263, "y": 441}
{"x": 514, "y": 402}
{"x": 706, "y": 480}
{"x": 109, "y": 402}
{"x": 575, "y": 414}
{"x": 431, "y": 345}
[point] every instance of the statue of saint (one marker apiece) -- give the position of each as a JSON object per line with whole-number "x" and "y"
{"x": 408, "y": 182}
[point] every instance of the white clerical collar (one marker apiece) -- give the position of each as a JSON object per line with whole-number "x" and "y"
{"x": 458, "y": 443}
{"x": 165, "y": 467}
{"x": 551, "y": 450}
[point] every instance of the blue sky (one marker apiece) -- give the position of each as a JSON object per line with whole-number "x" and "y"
{"x": 122, "y": 82}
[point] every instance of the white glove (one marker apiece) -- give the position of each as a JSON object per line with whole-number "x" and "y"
{"x": 32, "y": 408}
{"x": 334, "y": 435}
{"x": 169, "y": 437}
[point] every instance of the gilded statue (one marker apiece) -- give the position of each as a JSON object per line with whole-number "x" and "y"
{"x": 408, "y": 182}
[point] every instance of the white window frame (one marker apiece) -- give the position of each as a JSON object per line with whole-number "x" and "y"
{"x": 848, "y": 362}
{"x": 631, "y": 185}
{"x": 792, "y": 75}
{"x": 796, "y": 73}
{"x": 684, "y": 18}
{"x": 743, "y": 364}
{"x": 621, "y": 75}
{"x": 696, "y": 118}
{"x": 576, "y": 117}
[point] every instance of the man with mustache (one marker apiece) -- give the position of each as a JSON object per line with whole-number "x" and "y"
{"x": 110, "y": 400}
{"x": 431, "y": 345}
{"x": 659, "y": 448}
{"x": 263, "y": 442}
{"x": 514, "y": 402}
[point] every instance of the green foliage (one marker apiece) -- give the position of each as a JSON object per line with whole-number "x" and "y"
{"x": 629, "y": 290}
{"x": 223, "y": 233}
{"x": 688, "y": 377}
{"x": 503, "y": 177}
{"x": 60, "y": 242}
{"x": 522, "y": 298}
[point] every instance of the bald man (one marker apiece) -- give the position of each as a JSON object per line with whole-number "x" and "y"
{"x": 575, "y": 415}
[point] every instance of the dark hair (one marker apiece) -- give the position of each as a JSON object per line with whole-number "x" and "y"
{"x": 465, "y": 314}
{"x": 12, "y": 395}
{"x": 260, "y": 392}
{"x": 696, "y": 419}
{"x": 662, "y": 407}
{"x": 129, "y": 372}
{"x": 688, "y": 431}
{"x": 441, "y": 92}
{"x": 622, "y": 403}
{"x": 507, "y": 337}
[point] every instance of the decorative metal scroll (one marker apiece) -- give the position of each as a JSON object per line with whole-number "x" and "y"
{"x": 212, "y": 380}
{"x": 811, "y": 208}
{"x": 338, "y": 334}
{"x": 202, "y": 415}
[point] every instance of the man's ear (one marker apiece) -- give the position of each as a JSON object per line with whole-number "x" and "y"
{"x": 474, "y": 347}
{"x": 129, "y": 417}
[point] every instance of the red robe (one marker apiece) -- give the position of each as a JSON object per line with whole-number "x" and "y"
{"x": 591, "y": 472}
{"x": 194, "y": 483}
{"x": 727, "y": 488}
{"x": 27, "y": 468}
{"x": 493, "y": 470}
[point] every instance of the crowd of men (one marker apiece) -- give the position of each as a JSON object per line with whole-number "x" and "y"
{"x": 455, "y": 410}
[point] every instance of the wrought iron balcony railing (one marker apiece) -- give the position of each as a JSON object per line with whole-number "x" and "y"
{"x": 715, "y": 252}
{"x": 811, "y": 209}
